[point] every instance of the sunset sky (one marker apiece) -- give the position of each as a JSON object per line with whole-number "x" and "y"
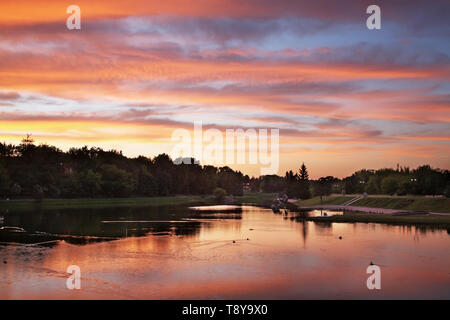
{"x": 344, "y": 97}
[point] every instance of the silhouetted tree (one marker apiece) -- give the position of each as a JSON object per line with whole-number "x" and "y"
{"x": 292, "y": 184}
{"x": 303, "y": 177}
{"x": 4, "y": 180}
{"x": 324, "y": 186}
{"x": 37, "y": 171}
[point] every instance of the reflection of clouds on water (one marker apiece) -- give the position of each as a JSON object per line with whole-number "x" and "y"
{"x": 83, "y": 226}
{"x": 172, "y": 252}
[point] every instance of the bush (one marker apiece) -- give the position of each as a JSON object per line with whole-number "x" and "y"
{"x": 116, "y": 182}
{"x": 372, "y": 185}
{"x": 4, "y": 180}
{"x": 403, "y": 188}
{"x": 447, "y": 191}
{"x": 89, "y": 183}
{"x": 389, "y": 185}
{"x": 38, "y": 192}
{"x": 219, "y": 194}
{"x": 16, "y": 190}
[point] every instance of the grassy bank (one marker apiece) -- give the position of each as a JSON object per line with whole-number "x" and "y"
{"x": 254, "y": 198}
{"x": 100, "y": 203}
{"x": 337, "y": 200}
{"x": 388, "y": 202}
{"x": 257, "y": 198}
{"x": 429, "y": 220}
{"x": 406, "y": 203}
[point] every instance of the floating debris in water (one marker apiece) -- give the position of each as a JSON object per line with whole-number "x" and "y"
{"x": 218, "y": 208}
{"x": 12, "y": 229}
{"x": 147, "y": 221}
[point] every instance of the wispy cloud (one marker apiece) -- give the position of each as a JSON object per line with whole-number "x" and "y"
{"x": 139, "y": 69}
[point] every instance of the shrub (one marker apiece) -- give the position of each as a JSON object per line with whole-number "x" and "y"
{"x": 219, "y": 194}
{"x": 389, "y": 185}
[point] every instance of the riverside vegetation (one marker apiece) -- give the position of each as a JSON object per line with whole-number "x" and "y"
{"x": 46, "y": 173}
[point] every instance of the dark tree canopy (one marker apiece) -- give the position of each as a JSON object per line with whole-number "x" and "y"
{"x": 35, "y": 171}
{"x": 423, "y": 180}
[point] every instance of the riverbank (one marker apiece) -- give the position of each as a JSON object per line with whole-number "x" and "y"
{"x": 48, "y": 204}
{"x": 326, "y": 200}
{"x": 406, "y": 203}
{"x": 354, "y": 212}
{"x": 438, "y": 221}
{"x": 371, "y": 210}
{"x": 408, "y": 210}
{"x": 378, "y": 204}
{"x": 260, "y": 199}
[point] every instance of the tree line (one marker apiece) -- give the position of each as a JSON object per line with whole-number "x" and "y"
{"x": 38, "y": 171}
{"x": 424, "y": 180}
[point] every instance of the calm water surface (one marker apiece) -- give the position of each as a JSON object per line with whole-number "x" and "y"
{"x": 228, "y": 253}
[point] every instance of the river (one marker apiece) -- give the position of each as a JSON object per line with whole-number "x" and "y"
{"x": 242, "y": 253}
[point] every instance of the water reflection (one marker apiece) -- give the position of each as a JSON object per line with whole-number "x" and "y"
{"x": 82, "y": 226}
{"x": 320, "y": 213}
{"x": 218, "y": 208}
{"x": 173, "y": 252}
